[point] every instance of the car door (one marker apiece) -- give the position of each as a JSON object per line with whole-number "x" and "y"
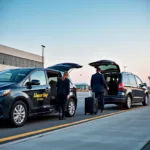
{"x": 39, "y": 94}
{"x": 141, "y": 89}
{"x": 134, "y": 88}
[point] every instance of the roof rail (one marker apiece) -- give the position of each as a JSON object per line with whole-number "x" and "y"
{"x": 127, "y": 72}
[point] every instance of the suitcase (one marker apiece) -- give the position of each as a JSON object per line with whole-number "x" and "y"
{"x": 91, "y": 105}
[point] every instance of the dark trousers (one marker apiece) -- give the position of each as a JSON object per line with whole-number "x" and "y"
{"x": 100, "y": 97}
{"x": 61, "y": 106}
{"x": 61, "y": 111}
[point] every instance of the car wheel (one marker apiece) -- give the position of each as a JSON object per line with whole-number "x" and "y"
{"x": 18, "y": 114}
{"x": 146, "y": 99}
{"x": 128, "y": 103}
{"x": 71, "y": 108}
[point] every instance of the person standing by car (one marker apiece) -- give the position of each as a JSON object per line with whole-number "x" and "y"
{"x": 98, "y": 85}
{"x": 63, "y": 89}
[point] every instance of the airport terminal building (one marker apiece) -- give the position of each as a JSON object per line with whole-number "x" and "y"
{"x": 82, "y": 86}
{"x": 14, "y": 58}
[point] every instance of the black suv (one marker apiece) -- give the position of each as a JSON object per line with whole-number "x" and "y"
{"x": 26, "y": 91}
{"x": 124, "y": 88}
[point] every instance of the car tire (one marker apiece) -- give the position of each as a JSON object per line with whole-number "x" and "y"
{"x": 71, "y": 108}
{"x": 146, "y": 99}
{"x": 18, "y": 114}
{"x": 128, "y": 103}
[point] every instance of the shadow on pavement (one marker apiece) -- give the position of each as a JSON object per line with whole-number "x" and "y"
{"x": 4, "y": 124}
{"x": 54, "y": 117}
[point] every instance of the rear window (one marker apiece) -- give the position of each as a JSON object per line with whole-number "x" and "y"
{"x": 107, "y": 67}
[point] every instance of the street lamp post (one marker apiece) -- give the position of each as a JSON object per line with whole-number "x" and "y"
{"x": 43, "y": 55}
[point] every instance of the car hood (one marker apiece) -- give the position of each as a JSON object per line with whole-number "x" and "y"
{"x": 5, "y": 84}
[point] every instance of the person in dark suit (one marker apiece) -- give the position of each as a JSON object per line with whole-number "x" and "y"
{"x": 98, "y": 85}
{"x": 63, "y": 89}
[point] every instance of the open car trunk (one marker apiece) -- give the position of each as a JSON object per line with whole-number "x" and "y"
{"x": 61, "y": 68}
{"x": 112, "y": 81}
{"x": 65, "y": 66}
{"x": 111, "y": 72}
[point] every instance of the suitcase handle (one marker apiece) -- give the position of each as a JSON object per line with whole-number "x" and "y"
{"x": 93, "y": 94}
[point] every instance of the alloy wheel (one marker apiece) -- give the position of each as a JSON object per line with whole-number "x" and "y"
{"x": 129, "y": 102}
{"x": 71, "y": 108}
{"x": 19, "y": 114}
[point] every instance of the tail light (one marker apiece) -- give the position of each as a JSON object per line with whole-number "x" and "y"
{"x": 120, "y": 87}
{"x": 73, "y": 89}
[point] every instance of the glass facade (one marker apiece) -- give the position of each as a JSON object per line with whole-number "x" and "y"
{"x": 18, "y": 61}
{"x": 82, "y": 86}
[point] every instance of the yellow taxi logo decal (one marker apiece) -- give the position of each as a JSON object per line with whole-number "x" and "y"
{"x": 40, "y": 96}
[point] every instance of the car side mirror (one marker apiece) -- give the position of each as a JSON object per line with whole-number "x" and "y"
{"x": 35, "y": 82}
{"x": 142, "y": 85}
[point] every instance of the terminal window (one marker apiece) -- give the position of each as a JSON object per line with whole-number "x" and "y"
{"x": 17, "y": 61}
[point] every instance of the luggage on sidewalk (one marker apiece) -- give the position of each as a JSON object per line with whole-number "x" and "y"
{"x": 91, "y": 105}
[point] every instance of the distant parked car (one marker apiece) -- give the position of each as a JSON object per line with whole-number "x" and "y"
{"x": 124, "y": 88}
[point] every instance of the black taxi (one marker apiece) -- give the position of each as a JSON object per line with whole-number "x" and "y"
{"x": 25, "y": 92}
{"x": 125, "y": 88}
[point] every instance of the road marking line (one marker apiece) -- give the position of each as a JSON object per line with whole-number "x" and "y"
{"x": 61, "y": 126}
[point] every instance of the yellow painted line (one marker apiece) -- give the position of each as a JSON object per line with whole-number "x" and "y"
{"x": 23, "y": 135}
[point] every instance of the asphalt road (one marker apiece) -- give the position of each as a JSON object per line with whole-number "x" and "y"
{"x": 52, "y": 120}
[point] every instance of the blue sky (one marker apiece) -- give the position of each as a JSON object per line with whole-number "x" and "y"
{"x": 80, "y": 31}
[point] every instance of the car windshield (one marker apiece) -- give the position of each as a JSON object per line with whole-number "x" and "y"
{"x": 14, "y": 75}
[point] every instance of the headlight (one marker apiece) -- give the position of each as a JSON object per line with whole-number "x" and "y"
{"x": 4, "y": 92}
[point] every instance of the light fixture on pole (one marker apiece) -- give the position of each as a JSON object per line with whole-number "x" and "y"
{"x": 149, "y": 79}
{"x": 125, "y": 68}
{"x": 43, "y": 55}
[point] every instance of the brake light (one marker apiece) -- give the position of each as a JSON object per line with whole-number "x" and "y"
{"x": 120, "y": 87}
{"x": 74, "y": 89}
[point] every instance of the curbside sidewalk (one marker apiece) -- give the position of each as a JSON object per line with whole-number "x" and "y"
{"x": 128, "y": 130}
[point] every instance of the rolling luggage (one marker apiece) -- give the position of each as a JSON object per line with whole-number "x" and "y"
{"x": 91, "y": 105}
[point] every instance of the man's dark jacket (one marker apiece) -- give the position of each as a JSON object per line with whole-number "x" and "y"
{"x": 98, "y": 83}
